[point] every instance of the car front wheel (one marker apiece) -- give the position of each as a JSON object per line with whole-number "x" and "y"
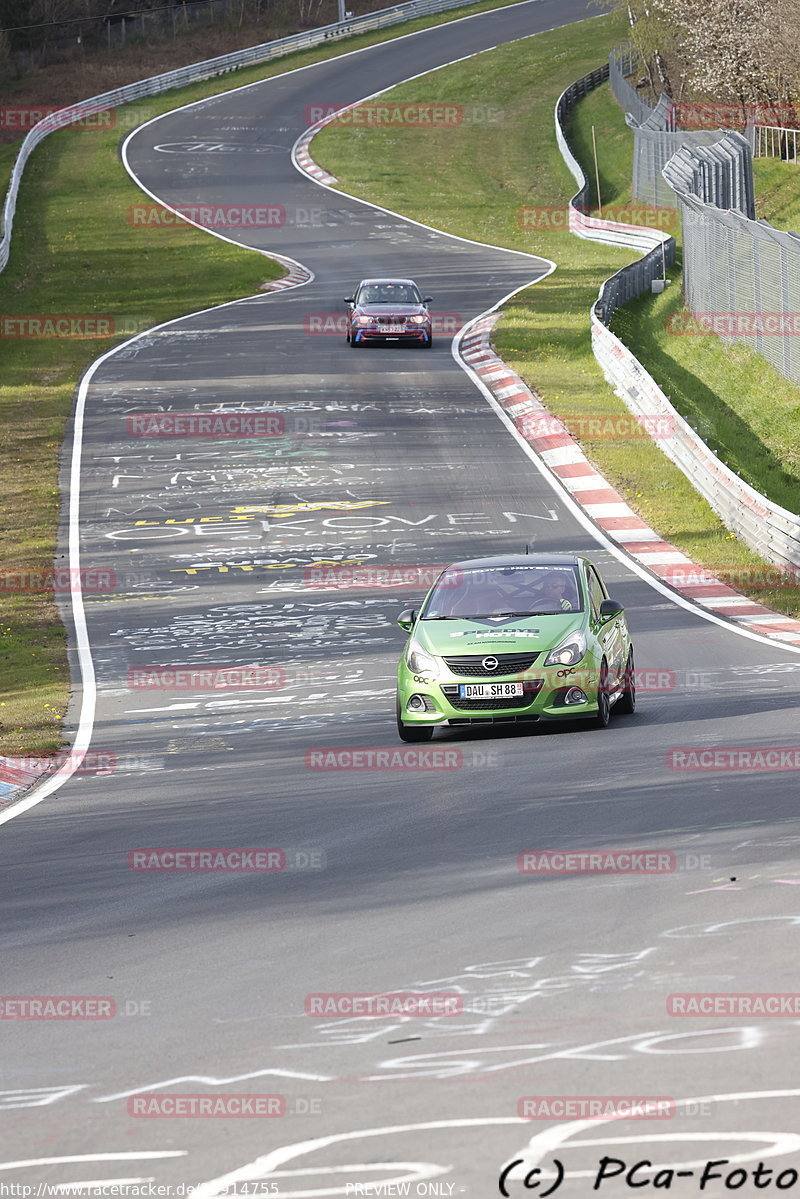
{"x": 603, "y": 706}
{"x": 627, "y": 701}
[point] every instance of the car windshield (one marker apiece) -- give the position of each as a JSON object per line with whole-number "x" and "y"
{"x": 389, "y": 293}
{"x": 504, "y": 591}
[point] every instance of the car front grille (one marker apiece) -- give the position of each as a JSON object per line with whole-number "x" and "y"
{"x": 471, "y": 665}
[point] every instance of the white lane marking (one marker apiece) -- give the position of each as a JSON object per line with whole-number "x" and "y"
{"x": 209, "y": 1080}
{"x": 85, "y": 663}
{"x": 89, "y": 1183}
{"x": 94, "y": 1157}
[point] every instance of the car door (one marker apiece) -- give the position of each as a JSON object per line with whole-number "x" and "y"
{"x": 609, "y": 633}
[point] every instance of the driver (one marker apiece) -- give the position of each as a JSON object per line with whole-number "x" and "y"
{"x": 552, "y": 589}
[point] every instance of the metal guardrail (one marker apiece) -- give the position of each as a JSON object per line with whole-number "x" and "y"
{"x": 774, "y": 141}
{"x": 194, "y": 73}
{"x": 770, "y": 530}
{"x": 657, "y": 247}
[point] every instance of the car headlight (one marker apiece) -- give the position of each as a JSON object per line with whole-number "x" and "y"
{"x": 363, "y": 320}
{"x": 416, "y": 320}
{"x": 418, "y": 660}
{"x": 569, "y": 651}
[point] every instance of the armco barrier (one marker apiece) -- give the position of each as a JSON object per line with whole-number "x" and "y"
{"x": 772, "y": 531}
{"x": 194, "y": 73}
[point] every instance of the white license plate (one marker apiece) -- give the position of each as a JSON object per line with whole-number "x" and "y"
{"x": 393, "y": 329}
{"x": 489, "y": 690}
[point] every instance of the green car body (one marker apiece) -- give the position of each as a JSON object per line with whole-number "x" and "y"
{"x": 572, "y": 662}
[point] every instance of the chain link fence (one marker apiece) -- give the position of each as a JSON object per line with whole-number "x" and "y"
{"x": 741, "y": 277}
{"x": 656, "y": 136}
{"x": 770, "y": 530}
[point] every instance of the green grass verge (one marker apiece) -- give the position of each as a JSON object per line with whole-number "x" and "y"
{"x": 485, "y": 178}
{"x": 74, "y": 251}
{"x": 777, "y": 187}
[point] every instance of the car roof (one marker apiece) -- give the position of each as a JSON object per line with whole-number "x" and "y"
{"x": 364, "y": 282}
{"x": 518, "y": 560}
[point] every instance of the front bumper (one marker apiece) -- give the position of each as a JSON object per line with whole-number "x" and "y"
{"x": 545, "y": 689}
{"x": 360, "y": 336}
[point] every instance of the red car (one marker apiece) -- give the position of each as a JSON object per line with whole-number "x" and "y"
{"x": 388, "y": 310}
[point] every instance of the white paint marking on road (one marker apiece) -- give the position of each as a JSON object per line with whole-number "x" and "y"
{"x": 136, "y": 1155}
{"x": 211, "y": 1081}
{"x": 89, "y": 1184}
{"x": 262, "y": 1167}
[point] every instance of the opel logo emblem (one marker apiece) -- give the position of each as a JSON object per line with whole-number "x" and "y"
{"x": 490, "y": 663}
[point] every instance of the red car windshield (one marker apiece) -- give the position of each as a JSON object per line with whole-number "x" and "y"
{"x": 389, "y": 293}
{"x": 505, "y": 591}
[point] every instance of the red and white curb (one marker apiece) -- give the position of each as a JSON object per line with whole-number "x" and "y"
{"x": 17, "y": 775}
{"x": 563, "y": 456}
{"x": 304, "y": 160}
{"x": 296, "y": 274}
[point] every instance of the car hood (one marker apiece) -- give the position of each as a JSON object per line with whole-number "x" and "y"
{"x": 513, "y": 634}
{"x": 389, "y": 309}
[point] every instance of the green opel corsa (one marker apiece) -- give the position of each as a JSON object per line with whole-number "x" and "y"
{"x": 512, "y": 639}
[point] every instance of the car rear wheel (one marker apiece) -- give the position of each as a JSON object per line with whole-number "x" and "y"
{"x": 412, "y": 733}
{"x": 627, "y": 701}
{"x": 603, "y": 706}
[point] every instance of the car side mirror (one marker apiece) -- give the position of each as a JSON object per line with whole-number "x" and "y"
{"x": 349, "y": 299}
{"x": 427, "y": 300}
{"x": 406, "y": 619}
{"x": 610, "y": 608}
